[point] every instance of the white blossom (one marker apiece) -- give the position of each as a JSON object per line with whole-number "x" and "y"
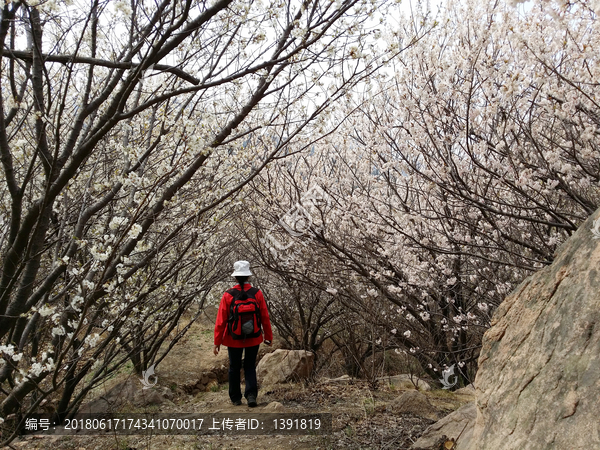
{"x": 36, "y": 369}
{"x": 46, "y": 310}
{"x": 117, "y": 221}
{"x": 8, "y": 350}
{"x": 135, "y": 231}
{"x": 100, "y": 255}
{"x": 92, "y": 340}
{"x": 76, "y": 302}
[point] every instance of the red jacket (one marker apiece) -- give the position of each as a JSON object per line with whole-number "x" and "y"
{"x": 222, "y": 336}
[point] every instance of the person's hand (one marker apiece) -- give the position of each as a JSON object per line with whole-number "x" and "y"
{"x": 216, "y": 349}
{"x": 269, "y": 343}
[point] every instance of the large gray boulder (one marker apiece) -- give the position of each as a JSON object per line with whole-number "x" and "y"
{"x": 539, "y": 369}
{"x": 282, "y": 366}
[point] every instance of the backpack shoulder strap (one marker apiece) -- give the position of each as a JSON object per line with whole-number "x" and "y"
{"x": 233, "y": 292}
{"x": 234, "y": 296}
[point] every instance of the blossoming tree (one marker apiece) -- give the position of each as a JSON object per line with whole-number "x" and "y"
{"x": 457, "y": 175}
{"x": 126, "y": 131}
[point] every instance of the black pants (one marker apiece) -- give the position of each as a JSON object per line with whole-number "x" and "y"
{"x": 235, "y": 365}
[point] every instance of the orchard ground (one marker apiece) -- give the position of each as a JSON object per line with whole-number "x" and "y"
{"x": 362, "y": 416}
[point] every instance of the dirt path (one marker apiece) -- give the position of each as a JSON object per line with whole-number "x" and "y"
{"x": 361, "y": 418}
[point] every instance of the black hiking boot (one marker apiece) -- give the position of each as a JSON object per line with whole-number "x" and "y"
{"x": 237, "y": 402}
{"x": 251, "y": 401}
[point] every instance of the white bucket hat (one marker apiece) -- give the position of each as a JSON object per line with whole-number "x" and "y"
{"x": 241, "y": 269}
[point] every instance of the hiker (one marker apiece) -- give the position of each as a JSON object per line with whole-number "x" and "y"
{"x": 241, "y": 321}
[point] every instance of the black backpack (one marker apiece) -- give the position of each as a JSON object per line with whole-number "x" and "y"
{"x": 244, "y": 314}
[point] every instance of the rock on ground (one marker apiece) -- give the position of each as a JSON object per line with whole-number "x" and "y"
{"x": 539, "y": 369}
{"x": 414, "y": 402}
{"x": 274, "y": 407}
{"x": 406, "y": 381}
{"x": 457, "y": 425}
{"x": 130, "y": 391}
{"x": 281, "y": 366}
{"x": 344, "y": 379}
{"x": 468, "y": 392}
